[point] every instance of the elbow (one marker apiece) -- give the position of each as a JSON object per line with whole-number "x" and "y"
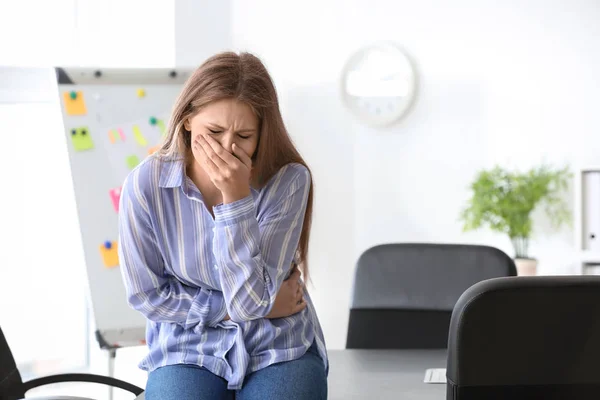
{"x": 137, "y": 303}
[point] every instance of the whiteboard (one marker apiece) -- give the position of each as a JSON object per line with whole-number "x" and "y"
{"x": 112, "y": 120}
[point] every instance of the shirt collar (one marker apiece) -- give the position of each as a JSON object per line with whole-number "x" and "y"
{"x": 172, "y": 172}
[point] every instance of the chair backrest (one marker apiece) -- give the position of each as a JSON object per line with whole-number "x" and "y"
{"x": 526, "y": 338}
{"x": 11, "y": 384}
{"x": 404, "y": 293}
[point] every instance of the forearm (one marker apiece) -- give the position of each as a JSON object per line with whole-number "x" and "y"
{"x": 254, "y": 248}
{"x": 176, "y": 303}
{"x": 248, "y": 289}
{"x": 248, "y": 299}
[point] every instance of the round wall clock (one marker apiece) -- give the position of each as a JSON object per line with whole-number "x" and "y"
{"x": 378, "y": 84}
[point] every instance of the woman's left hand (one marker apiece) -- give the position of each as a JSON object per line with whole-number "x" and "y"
{"x": 230, "y": 173}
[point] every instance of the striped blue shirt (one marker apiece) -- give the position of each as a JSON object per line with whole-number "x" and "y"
{"x": 185, "y": 270}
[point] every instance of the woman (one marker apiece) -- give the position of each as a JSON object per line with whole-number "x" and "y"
{"x": 213, "y": 233}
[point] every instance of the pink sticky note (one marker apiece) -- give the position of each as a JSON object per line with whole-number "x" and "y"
{"x": 115, "y": 195}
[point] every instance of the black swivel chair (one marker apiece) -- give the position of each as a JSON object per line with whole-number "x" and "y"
{"x": 12, "y": 386}
{"x": 526, "y": 338}
{"x": 404, "y": 293}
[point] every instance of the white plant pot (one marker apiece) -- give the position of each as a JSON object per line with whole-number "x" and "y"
{"x": 526, "y": 266}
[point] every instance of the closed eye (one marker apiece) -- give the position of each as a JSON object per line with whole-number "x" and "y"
{"x": 214, "y": 132}
{"x": 244, "y": 137}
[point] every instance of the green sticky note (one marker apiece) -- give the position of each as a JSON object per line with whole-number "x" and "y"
{"x": 161, "y": 126}
{"x": 81, "y": 138}
{"x": 132, "y": 161}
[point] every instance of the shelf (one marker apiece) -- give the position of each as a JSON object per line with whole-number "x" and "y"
{"x": 589, "y": 256}
{"x": 590, "y": 168}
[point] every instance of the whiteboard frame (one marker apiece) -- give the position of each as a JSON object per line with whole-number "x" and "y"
{"x": 121, "y": 76}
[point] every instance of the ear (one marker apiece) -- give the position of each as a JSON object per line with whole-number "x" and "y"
{"x": 187, "y": 124}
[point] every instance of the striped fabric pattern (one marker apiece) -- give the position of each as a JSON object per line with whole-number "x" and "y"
{"x": 185, "y": 270}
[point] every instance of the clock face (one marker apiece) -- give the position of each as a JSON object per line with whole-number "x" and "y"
{"x": 378, "y": 84}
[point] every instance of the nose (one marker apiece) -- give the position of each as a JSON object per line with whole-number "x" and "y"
{"x": 227, "y": 141}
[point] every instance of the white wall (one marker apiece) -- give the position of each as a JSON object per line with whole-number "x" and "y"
{"x": 202, "y": 28}
{"x": 42, "y": 254}
{"x": 513, "y": 83}
{"x": 97, "y": 33}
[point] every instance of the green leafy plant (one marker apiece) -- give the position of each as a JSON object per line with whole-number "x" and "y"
{"x": 504, "y": 201}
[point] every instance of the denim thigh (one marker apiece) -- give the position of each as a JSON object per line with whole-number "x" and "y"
{"x": 186, "y": 382}
{"x": 301, "y": 379}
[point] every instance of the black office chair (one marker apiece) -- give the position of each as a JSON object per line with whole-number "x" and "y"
{"x": 526, "y": 338}
{"x": 404, "y": 293}
{"x": 12, "y": 386}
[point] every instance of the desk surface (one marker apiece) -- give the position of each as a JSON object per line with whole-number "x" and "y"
{"x": 384, "y": 374}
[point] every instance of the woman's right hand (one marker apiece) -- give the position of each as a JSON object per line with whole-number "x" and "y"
{"x": 289, "y": 300}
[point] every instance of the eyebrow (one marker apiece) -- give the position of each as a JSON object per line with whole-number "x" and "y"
{"x": 216, "y": 126}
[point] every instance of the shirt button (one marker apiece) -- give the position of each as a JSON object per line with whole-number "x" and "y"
{"x": 216, "y": 267}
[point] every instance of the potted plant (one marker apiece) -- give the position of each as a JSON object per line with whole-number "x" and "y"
{"x": 504, "y": 201}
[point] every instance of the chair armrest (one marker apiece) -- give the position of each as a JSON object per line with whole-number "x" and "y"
{"x": 58, "y": 398}
{"x": 90, "y": 378}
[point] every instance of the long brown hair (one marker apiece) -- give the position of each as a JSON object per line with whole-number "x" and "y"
{"x": 242, "y": 77}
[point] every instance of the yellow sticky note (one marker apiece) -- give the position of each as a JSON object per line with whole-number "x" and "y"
{"x": 110, "y": 254}
{"x": 74, "y": 103}
{"x": 139, "y": 138}
{"x": 141, "y": 93}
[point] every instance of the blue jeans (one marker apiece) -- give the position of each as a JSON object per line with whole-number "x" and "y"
{"x": 301, "y": 379}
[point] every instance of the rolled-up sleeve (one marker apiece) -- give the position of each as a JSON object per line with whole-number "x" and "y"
{"x": 255, "y": 253}
{"x": 150, "y": 290}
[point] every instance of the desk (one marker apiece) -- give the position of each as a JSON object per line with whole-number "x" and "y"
{"x": 384, "y": 374}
